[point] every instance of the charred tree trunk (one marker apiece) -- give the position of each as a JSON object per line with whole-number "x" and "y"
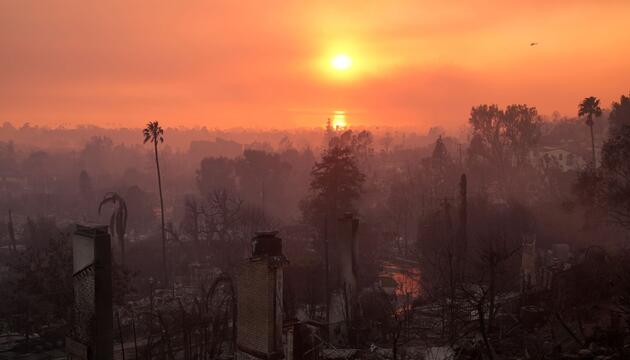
{"x": 590, "y": 120}
{"x": 11, "y": 231}
{"x": 463, "y": 225}
{"x": 484, "y": 330}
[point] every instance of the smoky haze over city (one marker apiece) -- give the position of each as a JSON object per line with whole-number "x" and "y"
{"x": 417, "y": 180}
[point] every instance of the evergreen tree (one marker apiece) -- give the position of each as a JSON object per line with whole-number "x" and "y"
{"x": 336, "y": 185}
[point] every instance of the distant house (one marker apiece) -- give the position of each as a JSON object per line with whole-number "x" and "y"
{"x": 565, "y": 159}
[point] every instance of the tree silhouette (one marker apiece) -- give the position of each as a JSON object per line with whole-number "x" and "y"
{"x": 523, "y": 129}
{"x": 439, "y": 167}
{"x": 616, "y": 176}
{"x": 590, "y": 107}
{"x": 488, "y": 122}
{"x": 619, "y": 115}
{"x": 85, "y": 185}
{"x": 118, "y": 219}
{"x": 336, "y": 183}
{"x": 504, "y": 139}
{"x": 500, "y": 134}
{"x": 155, "y": 134}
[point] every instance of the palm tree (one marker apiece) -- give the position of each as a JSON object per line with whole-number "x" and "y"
{"x": 590, "y": 107}
{"x": 118, "y": 220}
{"x": 155, "y": 134}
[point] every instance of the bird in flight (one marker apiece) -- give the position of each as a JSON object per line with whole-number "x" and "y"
{"x": 533, "y": 44}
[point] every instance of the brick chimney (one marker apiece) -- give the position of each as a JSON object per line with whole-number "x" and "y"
{"x": 343, "y": 298}
{"x": 91, "y": 335}
{"x": 347, "y": 247}
{"x": 259, "y": 300}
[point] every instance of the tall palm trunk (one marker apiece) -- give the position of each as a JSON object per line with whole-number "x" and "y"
{"x": 590, "y": 120}
{"x": 159, "y": 176}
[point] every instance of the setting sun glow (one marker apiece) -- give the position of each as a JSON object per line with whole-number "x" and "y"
{"x": 229, "y": 64}
{"x": 339, "y": 120}
{"x": 341, "y": 62}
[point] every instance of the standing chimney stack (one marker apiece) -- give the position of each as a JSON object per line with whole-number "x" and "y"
{"x": 91, "y": 335}
{"x": 342, "y": 311}
{"x": 259, "y": 300}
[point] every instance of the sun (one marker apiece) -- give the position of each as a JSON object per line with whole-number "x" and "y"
{"x": 339, "y": 120}
{"x": 341, "y": 62}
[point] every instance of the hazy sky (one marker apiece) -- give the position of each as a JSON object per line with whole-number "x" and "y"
{"x": 267, "y": 63}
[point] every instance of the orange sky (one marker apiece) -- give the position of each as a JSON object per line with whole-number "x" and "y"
{"x": 266, "y": 63}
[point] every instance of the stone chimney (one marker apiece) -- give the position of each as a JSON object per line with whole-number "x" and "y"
{"x": 347, "y": 248}
{"x": 91, "y": 335}
{"x": 343, "y": 298}
{"x": 259, "y": 300}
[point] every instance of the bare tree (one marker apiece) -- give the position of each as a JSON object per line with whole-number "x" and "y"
{"x": 488, "y": 282}
{"x": 221, "y": 225}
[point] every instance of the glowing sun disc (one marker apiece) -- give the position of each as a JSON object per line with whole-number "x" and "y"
{"x": 341, "y": 62}
{"x": 339, "y": 120}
